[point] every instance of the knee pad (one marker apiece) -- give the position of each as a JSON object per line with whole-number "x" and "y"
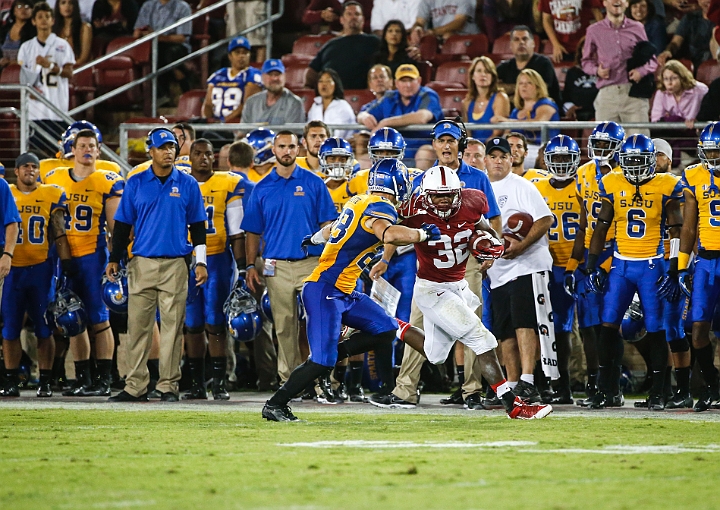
{"x": 195, "y": 330}
{"x": 679, "y": 345}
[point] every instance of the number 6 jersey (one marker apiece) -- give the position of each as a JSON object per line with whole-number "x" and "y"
{"x": 85, "y": 224}
{"x": 445, "y": 260}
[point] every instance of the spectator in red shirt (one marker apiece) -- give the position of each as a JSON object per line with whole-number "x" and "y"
{"x": 565, "y": 22}
{"x": 328, "y": 12}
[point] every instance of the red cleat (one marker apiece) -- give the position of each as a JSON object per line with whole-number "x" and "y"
{"x": 523, "y": 411}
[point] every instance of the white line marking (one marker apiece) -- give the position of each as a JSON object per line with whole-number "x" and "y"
{"x": 408, "y": 444}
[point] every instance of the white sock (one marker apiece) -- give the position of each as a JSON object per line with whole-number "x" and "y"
{"x": 528, "y": 378}
{"x": 503, "y": 389}
{"x": 511, "y": 385}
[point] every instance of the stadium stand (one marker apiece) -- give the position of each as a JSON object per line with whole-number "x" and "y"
{"x": 453, "y": 74}
{"x": 310, "y": 44}
{"x": 358, "y": 97}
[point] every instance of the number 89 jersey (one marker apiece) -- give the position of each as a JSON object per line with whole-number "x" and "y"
{"x": 352, "y": 245}
{"x": 640, "y": 222}
{"x": 228, "y": 91}
{"x": 85, "y": 221}
{"x": 445, "y": 260}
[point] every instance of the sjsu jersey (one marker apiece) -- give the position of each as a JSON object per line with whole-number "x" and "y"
{"x": 47, "y": 165}
{"x": 85, "y": 221}
{"x": 566, "y": 218}
{"x": 639, "y": 222}
{"x": 35, "y": 210}
{"x": 357, "y": 185}
{"x": 696, "y": 179}
{"x": 534, "y": 174}
{"x": 588, "y": 189}
{"x": 182, "y": 163}
{"x": 352, "y": 245}
{"x": 228, "y": 90}
{"x": 218, "y": 191}
{"x": 445, "y": 260}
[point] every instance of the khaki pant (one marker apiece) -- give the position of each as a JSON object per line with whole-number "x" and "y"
{"x": 153, "y": 284}
{"x": 613, "y": 102}
{"x": 407, "y": 380}
{"x": 283, "y": 289}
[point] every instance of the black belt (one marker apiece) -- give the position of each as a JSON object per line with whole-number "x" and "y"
{"x": 167, "y": 258}
{"x": 709, "y": 254}
{"x": 288, "y": 260}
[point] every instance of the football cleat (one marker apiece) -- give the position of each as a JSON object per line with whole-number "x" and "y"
{"x": 357, "y": 394}
{"x": 219, "y": 391}
{"x": 617, "y": 401}
{"x": 562, "y": 396}
{"x": 79, "y": 390}
{"x": 10, "y": 390}
{"x": 341, "y": 392}
{"x": 391, "y": 402}
{"x": 597, "y": 401}
{"x": 455, "y": 399}
{"x": 656, "y": 403}
{"x": 708, "y": 399}
{"x": 327, "y": 396}
{"x": 680, "y": 401}
{"x": 525, "y": 411}
{"x": 99, "y": 389}
{"x": 278, "y": 413}
{"x": 528, "y": 392}
{"x": 197, "y": 393}
{"x": 44, "y": 390}
{"x": 473, "y": 402}
{"x": 491, "y": 400}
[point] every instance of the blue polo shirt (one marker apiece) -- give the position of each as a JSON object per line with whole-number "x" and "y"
{"x": 161, "y": 212}
{"x": 391, "y": 104}
{"x": 8, "y": 209}
{"x": 471, "y": 177}
{"x": 284, "y": 211}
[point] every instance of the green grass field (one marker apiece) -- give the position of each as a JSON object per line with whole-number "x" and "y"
{"x": 213, "y": 459}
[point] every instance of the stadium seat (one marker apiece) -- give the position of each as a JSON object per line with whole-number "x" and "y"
{"x": 10, "y": 75}
{"x": 114, "y": 73}
{"x": 439, "y": 86}
{"x": 469, "y": 45}
{"x": 708, "y": 71}
{"x": 426, "y": 71}
{"x": 199, "y": 39}
{"x": 82, "y": 90}
{"x": 10, "y": 135}
{"x": 307, "y": 95}
{"x": 295, "y": 75}
{"x": 190, "y": 104}
{"x": 428, "y": 47}
{"x": 292, "y": 58}
{"x": 454, "y": 72}
{"x": 140, "y": 54}
{"x": 310, "y": 44}
{"x": 451, "y": 102}
{"x": 358, "y": 98}
{"x": 501, "y": 46}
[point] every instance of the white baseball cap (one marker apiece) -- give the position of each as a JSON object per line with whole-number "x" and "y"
{"x": 663, "y": 147}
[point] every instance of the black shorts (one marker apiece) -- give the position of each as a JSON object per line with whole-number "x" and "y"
{"x": 513, "y": 307}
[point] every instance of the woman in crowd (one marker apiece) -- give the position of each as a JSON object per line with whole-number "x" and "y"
{"x": 532, "y": 103}
{"x": 643, "y": 11}
{"x": 394, "y": 46}
{"x": 329, "y": 105}
{"x": 69, "y": 26}
{"x": 484, "y": 99}
{"x": 16, "y": 30}
{"x": 113, "y": 18}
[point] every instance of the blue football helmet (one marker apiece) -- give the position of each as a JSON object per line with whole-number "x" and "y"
{"x": 390, "y": 176}
{"x": 265, "y": 306}
{"x": 242, "y": 314}
{"x": 68, "y": 137}
{"x": 609, "y": 133}
{"x": 67, "y": 310}
{"x": 261, "y": 140}
{"x": 637, "y": 158}
{"x": 386, "y": 139}
{"x": 115, "y": 294}
{"x": 710, "y": 140}
{"x": 556, "y": 157}
{"x": 336, "y": 147}
{"x": 633, "y": 323}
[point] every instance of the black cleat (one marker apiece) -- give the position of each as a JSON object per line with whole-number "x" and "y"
{"x": 455, "y": 399}
{"x": 169, "y": 396}
{"x": 641, "y": 404}
{"x": 617, "y": 401}
{"x": 708, "y": 398}
{"x": 597, "y": 401}
{"x": 679, "y": 401}
{"x": 357, "y": 394}
{"x": 327, "y": 396}
{"x": 44, "y": 390}
{"x": 10, "y": 390}
{"x": 562, "y": 396}
{"x": 60, "y": 383}
{"x": 527, "y": 392}
{"x": 219, "y": 392}
{"x": 79, "y": 390}
{"x": 341, "y": 392}
{"x": 474, "y": 402}
{"x": 197, "y": 393}
{"x": 124, "y": 396}
{"x": 278, "y": 413}
{"x": 391, "y": 402}
{"x": 656, "y": 403}
{"x": 99, "y": 389}
{"x": 491, "y": 400}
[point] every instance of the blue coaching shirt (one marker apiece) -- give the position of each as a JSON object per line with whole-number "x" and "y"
{"x": 8, "y": 209}
{"x": 284, "y": 211}
{"x": 161, "y": 212}
{"x": 391, "y": 104}
{"x": 471, "y": 177}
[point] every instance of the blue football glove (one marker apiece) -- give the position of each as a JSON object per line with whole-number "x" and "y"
{"x": 685, "y": 281}
{"x": 596, "y": 280}
{"x": 432, "y": 231}
{"x": 569, "y": 284}
{"x": 307, "y": 241}
{"x": 669, "y": 287}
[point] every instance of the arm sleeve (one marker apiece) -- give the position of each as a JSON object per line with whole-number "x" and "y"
{"x": 423, "y": 11}
{"x": 381, "y": 210}
{"x": 589, "y": 56}
{"x": 657, "y": 107}
{"x": 198, "y": 233}
{"x": 121, "y": 240}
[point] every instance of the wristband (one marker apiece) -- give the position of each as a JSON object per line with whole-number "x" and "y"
{"x": 572, "y": 265}
{"x": 674, "y": 247}
{"x": 683, "y": 260}
{"x": 423, "y": 235}
{"x": 201, "y": 254}
{"x": 318, "y": 238}
{"x": 385, "y": 261}
{"x": 249, "y": 266}
{"x": 8, "y": 254}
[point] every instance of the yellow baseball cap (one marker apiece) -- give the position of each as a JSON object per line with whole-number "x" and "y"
{"x": 407, "y": 71}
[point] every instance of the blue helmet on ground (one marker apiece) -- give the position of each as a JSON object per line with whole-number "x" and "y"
{"x": 632, "y": 328}
{"x": 158, "y": 137}
{"x": 562, "y": 157}
{"x": 265, "y": 306}
{"x": 115, "y": 293}
{"x": 390, "y": 176}
{"x": 386, "y": 139}
{"x": 261, "y": 140}
{"x": 605, "y": 140}
{"x": 242, "y": 314}
{"x": 336, "y": 147}
{"x": 710, "y": 141}
{"x": 637, "y": 158}
{"x": 68, "y": 137}
{"x": 67, "y": 310}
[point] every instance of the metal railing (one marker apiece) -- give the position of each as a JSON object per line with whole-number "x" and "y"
{"x": 153, "y": 39}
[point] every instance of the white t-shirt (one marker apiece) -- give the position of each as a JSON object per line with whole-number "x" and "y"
{"x": 54, "y": 87}
{"x": 515, "y": 194}
{"x": 403, "y": 10}
{"x": 338, "y": 112}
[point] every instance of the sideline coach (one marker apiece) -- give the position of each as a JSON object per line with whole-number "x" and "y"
{"x": 287, "y": 205}
{"x": 160, "y": 203}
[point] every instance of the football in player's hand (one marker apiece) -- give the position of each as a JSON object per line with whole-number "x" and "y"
{"x": 484, "y": 246}
{"x": 519, "y": 224}
{"x": 507, "y": 237}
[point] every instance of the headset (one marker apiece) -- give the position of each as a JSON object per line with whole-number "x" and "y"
{"x": 458, "y": 122}
{"x": 150, "y": 143}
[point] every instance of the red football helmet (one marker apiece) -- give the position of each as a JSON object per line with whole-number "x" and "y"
{"x": 441, "y": 180}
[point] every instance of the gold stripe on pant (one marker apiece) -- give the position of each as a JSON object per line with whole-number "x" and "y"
{"x": 153, "y": 284}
